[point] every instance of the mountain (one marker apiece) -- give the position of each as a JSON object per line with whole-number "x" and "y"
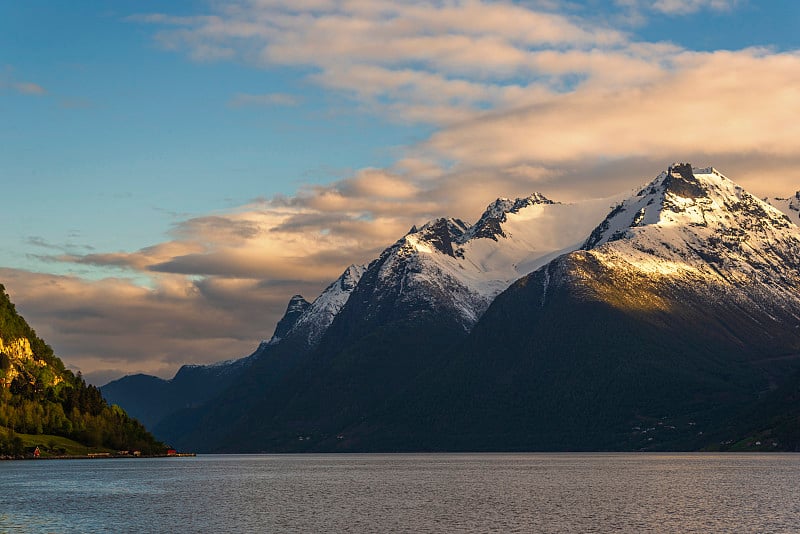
{"x": 294, "y": 310}
{"x": 39, "y": 396}
{"x": 151, "y": 399}
{"x": 314, "y": 322}
{"x": 454, "y": 269}
{"x": 670, "y": 322}
{"x": 411, "y": 305}
{"x": 676, "y": 326}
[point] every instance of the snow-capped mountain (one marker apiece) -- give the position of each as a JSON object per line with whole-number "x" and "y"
{"x": 693, "y": 245}
{"x": 315, "y": 319}
{"x": 490, "y": 223}
{"x": 699, "y": 223}
{"x": 665, "y": 318}
{"x": 451, "y": 266}
{"x": 677, "y": 326}
{"x": 294, "y": 310}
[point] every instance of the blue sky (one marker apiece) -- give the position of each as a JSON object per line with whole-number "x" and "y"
{"x": 205, "y": 159}
{"x": 127, "y": 138}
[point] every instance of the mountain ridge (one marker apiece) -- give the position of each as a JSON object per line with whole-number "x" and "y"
{"x": 688, "y": 287}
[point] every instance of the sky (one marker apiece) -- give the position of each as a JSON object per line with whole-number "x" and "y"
{"x": 173, "y": 172}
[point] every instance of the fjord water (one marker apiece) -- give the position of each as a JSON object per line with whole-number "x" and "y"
{"x": 406, "y": 493}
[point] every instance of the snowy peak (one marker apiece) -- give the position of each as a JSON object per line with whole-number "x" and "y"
{"x": 450, "y": 267}
{"x": 698, "y": 221}
{"x": 439, "y": 234}
{"x": 490, "y": 224}
{"x": 297, "y": 305}
{"x": 680, "y": 181}
{"x": 688, "y": 198}
{"x": 350, "y": 277}
{"x": 318, "y": 316}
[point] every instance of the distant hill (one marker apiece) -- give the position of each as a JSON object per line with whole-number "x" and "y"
{"x": 39, "y": 396}
{"x": 151, "y": 399}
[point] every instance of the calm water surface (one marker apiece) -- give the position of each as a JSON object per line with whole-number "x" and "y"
{"x": 405, "y": 493}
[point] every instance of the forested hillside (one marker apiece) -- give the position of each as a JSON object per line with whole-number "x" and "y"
{"x": 39, "y": 396}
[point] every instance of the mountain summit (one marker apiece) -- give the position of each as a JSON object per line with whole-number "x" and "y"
{"x": 294, "y": 310}
{"x": 490, "y": 225}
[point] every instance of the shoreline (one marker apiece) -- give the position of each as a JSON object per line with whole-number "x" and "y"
{"x": 97, "y": 456}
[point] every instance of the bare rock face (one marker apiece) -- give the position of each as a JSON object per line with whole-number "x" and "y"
{"x": 18, "y": 359}
{"x": 294, "y": 310}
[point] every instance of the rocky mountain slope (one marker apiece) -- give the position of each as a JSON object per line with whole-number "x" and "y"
{"x": 151, "y": 399}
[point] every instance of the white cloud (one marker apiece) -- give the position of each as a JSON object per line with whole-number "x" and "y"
{"x": 704, "y": 101}
{"x": 416, "y": 61}
{"x": 683, "y": 7}
{"x": 512, "y": 86}
{"x": 678, "y": 7}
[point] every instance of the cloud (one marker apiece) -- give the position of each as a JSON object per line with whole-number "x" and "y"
{"x": 311, "y": 236}
{"x": 29, "y": 88}
{"x": 683, "y": 7}
{"x": 677, "y": 7}
{"x": 268, "y": 99}
{"x": 9, "y": 81}
{"x": 117, "y": 324}
{"x": 701, "y": 102}
{"x": 419, "y": 61}
{"x": 138, "y": 261}
{"x": 519, "y": 97}
{"x": 38, "y": 241}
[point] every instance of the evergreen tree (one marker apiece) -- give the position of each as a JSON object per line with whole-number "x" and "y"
{"x": 35, "y": 402}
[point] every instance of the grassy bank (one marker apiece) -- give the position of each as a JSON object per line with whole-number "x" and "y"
{"x": 50, "y": 446}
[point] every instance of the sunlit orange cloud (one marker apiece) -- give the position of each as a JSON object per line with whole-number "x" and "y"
{"x": 274, "y": 241}
{"x": 512, "y": 85}
{"x": 705, "y": 103}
